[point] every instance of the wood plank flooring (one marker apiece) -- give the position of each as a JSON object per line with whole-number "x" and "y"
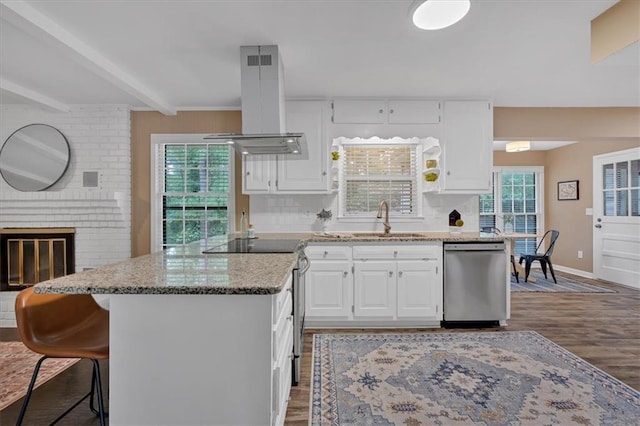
{"x": 602, "y": 328}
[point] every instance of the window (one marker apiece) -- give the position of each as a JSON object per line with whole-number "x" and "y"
{"x": 621, "y": 188}
{"x": 372, "y": 173}
{"x": 515, "y": 204}
{"x": 193, "y": 190}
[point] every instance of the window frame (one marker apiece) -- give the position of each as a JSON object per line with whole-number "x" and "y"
{"x": 496, "y": 176}
{"x": 416, "y": 143}
{"x": 158, "y": 140}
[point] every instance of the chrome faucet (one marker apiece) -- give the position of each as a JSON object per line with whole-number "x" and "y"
{"x": 387, "y": 225}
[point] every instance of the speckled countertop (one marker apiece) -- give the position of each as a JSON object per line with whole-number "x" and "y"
{"x": 186, "y": 270}
{"x": 182, "y": 270}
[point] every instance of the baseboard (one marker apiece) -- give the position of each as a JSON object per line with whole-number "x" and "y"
{"x": 577, "y": 272}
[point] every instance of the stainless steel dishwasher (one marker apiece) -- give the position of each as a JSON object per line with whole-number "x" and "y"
{"x": 475, "y": 281}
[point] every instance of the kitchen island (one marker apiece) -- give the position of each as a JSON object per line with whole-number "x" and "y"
{"x": 195, "y": 339}
{"x": 202, "y": 339}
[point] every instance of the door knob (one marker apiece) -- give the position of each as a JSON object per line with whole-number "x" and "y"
{"x": 598, "y": 225}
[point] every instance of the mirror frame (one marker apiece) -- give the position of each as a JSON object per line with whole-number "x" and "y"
{"x": 52, "y": 181}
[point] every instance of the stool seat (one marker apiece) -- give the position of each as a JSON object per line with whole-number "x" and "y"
{"x": 64, "y": 326}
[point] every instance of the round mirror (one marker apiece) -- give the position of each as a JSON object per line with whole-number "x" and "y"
{"x": 34, "y": 157}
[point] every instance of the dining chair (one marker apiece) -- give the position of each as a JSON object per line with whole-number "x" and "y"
{"x": 550, "y": 237}
{"x": 494, "y": 230}
{"x": 64, "y": 326}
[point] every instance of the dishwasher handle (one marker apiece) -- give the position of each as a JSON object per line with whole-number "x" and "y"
{"x": 498, "y": 246}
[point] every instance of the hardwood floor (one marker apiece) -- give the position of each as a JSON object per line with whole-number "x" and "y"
{"x": 602, "y": 328}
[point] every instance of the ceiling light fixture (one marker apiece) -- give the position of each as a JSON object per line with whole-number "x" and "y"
{"x": 518, "y": 146}
{"x": 438, "y": 14}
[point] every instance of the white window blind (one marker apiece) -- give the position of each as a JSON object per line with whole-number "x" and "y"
{"x": 194, "y": 183}
{"x": 372, "y": 173}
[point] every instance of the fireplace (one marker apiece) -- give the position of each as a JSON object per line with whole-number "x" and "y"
{"x": 31, "y": 255}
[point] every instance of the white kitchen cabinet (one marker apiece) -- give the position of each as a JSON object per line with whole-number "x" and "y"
{"x": 351, "y": 285}
{"x": 414, "y": 272}
{"x": 289, "y": 174}
{"x": 415, "y": 299}
{"x": 328, "y": 283}
{"x": 467, "y": 147}
{"x": 256, "y": 173}
{"x": 328, "y": 286}
{"x": 374, "y": 289}
{"x": 382, "y": 111}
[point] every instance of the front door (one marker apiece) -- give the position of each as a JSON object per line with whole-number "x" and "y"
{"x": 616, "y": 217}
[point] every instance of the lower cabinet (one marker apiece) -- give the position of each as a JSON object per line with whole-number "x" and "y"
{"x": 374, "y": 284}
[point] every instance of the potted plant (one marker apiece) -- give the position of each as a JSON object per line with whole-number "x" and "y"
{"x": 324, "y": 216}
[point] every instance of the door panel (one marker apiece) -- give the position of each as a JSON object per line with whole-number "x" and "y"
{"x": 375, "y": 288}
{"x": 616, "y": 217}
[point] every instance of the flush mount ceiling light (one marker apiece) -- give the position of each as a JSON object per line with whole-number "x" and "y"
{"x": 438, "y": 14}
{"x": 518, "y": 146}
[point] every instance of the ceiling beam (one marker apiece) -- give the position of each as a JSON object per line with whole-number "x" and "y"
{"x": 614, "y": 29}
{"x": 33, "y": 96}
{"x": 25, "y": 17}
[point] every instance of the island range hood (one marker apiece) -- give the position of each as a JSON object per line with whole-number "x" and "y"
{"x": 263, "y": 114}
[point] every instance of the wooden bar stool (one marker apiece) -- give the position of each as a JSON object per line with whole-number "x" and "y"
{"x": 64, "y": 326}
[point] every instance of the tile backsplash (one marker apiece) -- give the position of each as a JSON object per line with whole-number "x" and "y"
{"x": 297, "y": 213}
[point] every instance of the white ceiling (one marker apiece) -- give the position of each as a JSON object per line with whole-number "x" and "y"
{"x": 185, "y": 54}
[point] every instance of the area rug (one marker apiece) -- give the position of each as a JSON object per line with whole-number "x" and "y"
{"x": 496, "y": 378}
{"x": 564, "y": 285}
{"x": 16, "y": 367}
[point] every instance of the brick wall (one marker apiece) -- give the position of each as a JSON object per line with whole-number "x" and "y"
{"x": 100, "y": 141}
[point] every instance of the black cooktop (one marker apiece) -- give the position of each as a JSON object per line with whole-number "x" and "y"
{"x": 254, "y": 245}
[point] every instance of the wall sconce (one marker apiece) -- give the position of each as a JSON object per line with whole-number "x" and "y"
{"x": 518, "y": 146}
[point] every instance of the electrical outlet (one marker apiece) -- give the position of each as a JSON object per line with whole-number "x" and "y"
{"x": 579, "y": 254}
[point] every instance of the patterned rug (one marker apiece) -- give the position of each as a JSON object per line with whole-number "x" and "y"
{"x": 16, "y": 367}
{"x": 565, "y": 285}
{"x": 497, "y": 378}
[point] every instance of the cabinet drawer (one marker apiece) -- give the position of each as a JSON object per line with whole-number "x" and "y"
{"x": 328, "y": 252}
{"x": 397, "y": 252}
{"x": 281, "y": 301}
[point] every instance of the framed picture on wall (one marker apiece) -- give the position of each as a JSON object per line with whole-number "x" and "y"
{"x": 568, "y": 190}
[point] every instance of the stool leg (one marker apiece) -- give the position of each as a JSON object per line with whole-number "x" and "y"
{"x": 96, "y": 384}
{"x": 27, "y": 397}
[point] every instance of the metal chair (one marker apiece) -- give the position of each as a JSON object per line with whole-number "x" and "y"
{"x": 64, "y": 326}
{"x": 494, "y": 230}
{"x": 544, "y": 258}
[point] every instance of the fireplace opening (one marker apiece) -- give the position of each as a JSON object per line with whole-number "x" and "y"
{"x": 31, "y": 255}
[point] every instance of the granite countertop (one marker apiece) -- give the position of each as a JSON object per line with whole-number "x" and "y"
{"x": 182, "y": 270}
{"x": 400, "y": 237}
{"x": 186, "y": 270}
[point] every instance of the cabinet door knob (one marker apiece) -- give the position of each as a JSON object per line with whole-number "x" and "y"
{"x": 248, "y": 173}
{"x": 325, "y": 253}
{"x": 390, "y": 111}
{"x": 395, "y": 253}
{"x": 324, "y": 173}
{"x": 448, "y": 173}
{"x": 390, "y": 273}
{"x": 345, "y": 273}
{"x": 380, "y": 111}
{"x": 400, "y": 274}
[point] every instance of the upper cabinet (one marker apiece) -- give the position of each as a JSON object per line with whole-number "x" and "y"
{"x": 467, "y": 147}
{"x": 291, "y": 174}
{"x": 381, "y": 111}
